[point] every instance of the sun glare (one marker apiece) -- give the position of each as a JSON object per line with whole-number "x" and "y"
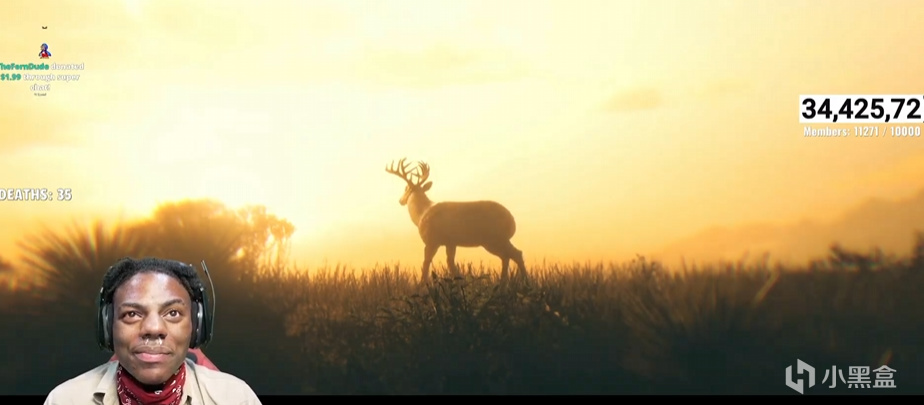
{"x": 133, "y": 7}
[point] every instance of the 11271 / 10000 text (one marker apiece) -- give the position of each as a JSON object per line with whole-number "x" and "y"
{"x": 869, "y": 131}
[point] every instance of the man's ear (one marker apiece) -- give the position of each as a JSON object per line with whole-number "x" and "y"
{"x": 426, "y": 186}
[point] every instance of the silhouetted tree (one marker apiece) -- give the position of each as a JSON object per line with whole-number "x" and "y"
{"x": 268, "y": 239}
{"x": 70, "y": 264}
{"x": 234, "y": 241}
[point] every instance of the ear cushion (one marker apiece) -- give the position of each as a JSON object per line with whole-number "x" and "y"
{"x": 107, "y": 326}
{"x": 196, "y": 339}
{"x": 103, "y": 323}
{"x": 205, "y": 320}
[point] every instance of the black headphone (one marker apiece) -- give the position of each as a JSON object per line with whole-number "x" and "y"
{"x": 202, "y": 318}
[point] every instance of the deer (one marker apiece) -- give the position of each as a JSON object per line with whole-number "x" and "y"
{"x": 452, "y": 224}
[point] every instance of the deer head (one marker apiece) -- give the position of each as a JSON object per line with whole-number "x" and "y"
{"x": 416, "y": 179}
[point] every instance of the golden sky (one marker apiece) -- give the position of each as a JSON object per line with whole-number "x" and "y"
{"x": 607, "y": 127}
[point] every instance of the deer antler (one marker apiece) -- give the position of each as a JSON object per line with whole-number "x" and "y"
{"x": 400, "y": 170}
{"x": 423, "y": 172}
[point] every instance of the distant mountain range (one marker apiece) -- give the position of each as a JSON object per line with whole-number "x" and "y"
{"x": 889, "y": 225}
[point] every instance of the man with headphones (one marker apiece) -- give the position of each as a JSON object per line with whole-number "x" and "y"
{"x": 151, "y": 312}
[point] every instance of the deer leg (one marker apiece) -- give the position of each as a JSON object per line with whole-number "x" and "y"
{"x": 517, "y": 256}
{"x": 429, "y": 252}
{"x": 502, "y": 252}
{"x": 451, "y": 260}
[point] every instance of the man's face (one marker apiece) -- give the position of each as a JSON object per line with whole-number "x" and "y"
{"x": 151, "y": 307}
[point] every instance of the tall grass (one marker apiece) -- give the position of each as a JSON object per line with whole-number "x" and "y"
{"x": 629, "y": 328}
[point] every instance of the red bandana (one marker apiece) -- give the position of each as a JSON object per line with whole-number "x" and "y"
{"x": 131, "y": 391}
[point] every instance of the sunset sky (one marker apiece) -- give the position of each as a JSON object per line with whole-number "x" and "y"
{"x": 608, "y": 127}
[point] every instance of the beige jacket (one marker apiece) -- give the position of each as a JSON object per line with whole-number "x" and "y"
{"x": 203, "y": 387}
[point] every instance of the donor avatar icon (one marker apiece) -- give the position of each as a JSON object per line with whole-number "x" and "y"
{"x": 44, "y": 54}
